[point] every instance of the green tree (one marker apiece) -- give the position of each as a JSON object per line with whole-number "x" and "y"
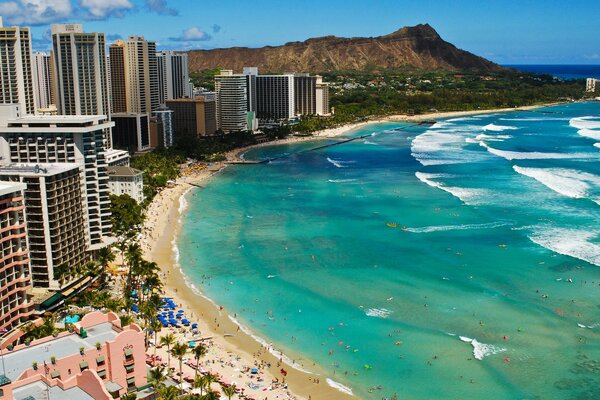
{"x": 129, "y": 396}
{"x": 157, "y": 378}
{"x": 156, "y": 327}
{"x": 168, "y": 393}
{"x": 168, "y": 340}
{"x": 179, "y": 351}
{"x": 229, "y": 390}
{"x": 198, "y": 351}
{"x": 200, "y": 383}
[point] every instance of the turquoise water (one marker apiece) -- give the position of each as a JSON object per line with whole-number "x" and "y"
{"x": 497, "y": 240}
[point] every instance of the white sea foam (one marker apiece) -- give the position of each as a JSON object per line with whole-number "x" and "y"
{"x": 341, "y": 180}
{"x": 533, "y": 119}
{"x": 442, "y": 228}
{"x": 585, "y": 122}
{"x": 570, "y": 183}
{"x": 570, "y": 242}
{"x": 371, "y": 143}
{"x": 498, "y": 128}
{"x": 589, "y": 133}
{"x": 492, "y": 138}
{"x": 470, "y": 196}
{"x": 339, "y": 163}
{"x": 378, "y": 312}
{"x": 462, "y": 119}
{"x": 480, "y": 350}
{"x": 534, "y": 155}
{"x": 339, "y": 386}
{"x": 597, "y": 145}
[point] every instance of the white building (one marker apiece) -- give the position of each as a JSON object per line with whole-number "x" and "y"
{"x": 116, "y": 157}
{"x": 65, "y": 139}
{"x": 55, "y": 220}
{"x": 126, "y": 180}
{"x": 592, "y": 85}
{"x": 173, "y": 76}
{"x": 81, "y": 79}
{"x": 322, "y": 97}
{"x": 234, "y": 95}
{"x": 165, "y": 116}
{"x": 42, "y": 75}
{"x": 16, "y": 76}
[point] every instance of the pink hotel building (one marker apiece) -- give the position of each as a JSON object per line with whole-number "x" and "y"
{"x": 99, "y": 361}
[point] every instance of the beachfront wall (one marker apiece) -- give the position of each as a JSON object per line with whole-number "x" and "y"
{"x": 121, "y": 360}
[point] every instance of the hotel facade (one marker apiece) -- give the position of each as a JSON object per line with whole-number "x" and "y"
{"x": 15, "y": 282}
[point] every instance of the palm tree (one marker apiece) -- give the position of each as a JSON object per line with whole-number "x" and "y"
{"x": 129, "y": 396}
{"x": 104, "y": 257}
{"x": 229, "y": 391}
{"x": 200, "y": 383}
{"x": 61, "y": 273}
{"x": 156, "y": 326}
{"x": 199, "y": 351}
{"x": 212, "y": 395}
{"x": 179, "y": 351}
{"x": 157, "y": 377}
{"x": 168, "y": 340}
{"x": 210, "y": 379}
{"x": 168, "y": 393}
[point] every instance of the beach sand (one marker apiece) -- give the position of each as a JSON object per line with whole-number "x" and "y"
{"x": 238, "y": 349}
{"x": 160, "y": 229}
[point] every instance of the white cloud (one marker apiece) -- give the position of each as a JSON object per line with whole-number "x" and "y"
{"x": 192, "y": 34}
{"x": 101, "y": 9}
{"x": 35, "y": 12}
{"x": 161, "y": 7}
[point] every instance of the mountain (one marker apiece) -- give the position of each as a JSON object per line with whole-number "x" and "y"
{"x": 417, "y": 47}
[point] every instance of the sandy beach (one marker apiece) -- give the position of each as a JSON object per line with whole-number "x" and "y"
{"x": 233, "y": 349}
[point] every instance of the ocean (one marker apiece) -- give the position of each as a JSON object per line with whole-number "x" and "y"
{"x": 459, "y": 260}
{"x": 562, "y": 71}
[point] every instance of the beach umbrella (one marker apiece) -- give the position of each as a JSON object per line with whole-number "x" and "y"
{"x": 194, "y": 326}
{"x": 254, "y": 371}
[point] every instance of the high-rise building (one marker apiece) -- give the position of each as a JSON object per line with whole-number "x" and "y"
{"x": 80, "y": 71}
{"x": 194, "y": 116}
{"x": 131, "y": 132}
{"x": 55, "y": 220}
{"x": 305, "y": 87}
{"x": 173, "y": 76}
{"x": 66, "y": 139}
{"x": 275, "y": 97}
{"x": 134, "y": 76}
{"x": 235, "y": 106}
{"x": 322, "y": 97}
{"x": 15, "y": 305}
{"x": 16, "y": 76}
{"x": 42, "y": 74}
{"x": 592, "y": 85}
{"x": 165, "y": 116}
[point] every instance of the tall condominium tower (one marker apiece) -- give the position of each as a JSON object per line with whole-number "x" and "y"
{"x": 234, "y": 106}
{"x": 305, "y": 87}
{"x": 275, "y": 97}
{"x": 66, "y": 139}
{"x": 55, "y": 220}
{"x": 134, "y": 76}
{"x": 322, "y": 97}
{"x": 16, "y": 77}
{"x": 42, "y": 74}
{"x": 173, "y": 76}
{"x": 15, "y": 305}
{"x": 80, "y": 63}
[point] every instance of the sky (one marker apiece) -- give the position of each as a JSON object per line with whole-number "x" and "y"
{"x": 504, "y": 31}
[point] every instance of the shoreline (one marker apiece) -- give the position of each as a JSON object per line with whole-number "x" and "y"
{"x": 237, "y": 155}
{"x": 159, "y": 234}
{"x": 161, "y": 230}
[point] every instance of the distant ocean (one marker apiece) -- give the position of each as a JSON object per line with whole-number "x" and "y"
{"x": 562, "y": 71}
{"x": 459, "y": 260}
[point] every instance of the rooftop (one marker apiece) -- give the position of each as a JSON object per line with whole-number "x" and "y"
{"x": 18, "y": 361}
{"x": 32, "y": 169}
{"x": 123, "y": 171}
{"x": 38, "y": 390}
{"x": 11, "y": 187}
